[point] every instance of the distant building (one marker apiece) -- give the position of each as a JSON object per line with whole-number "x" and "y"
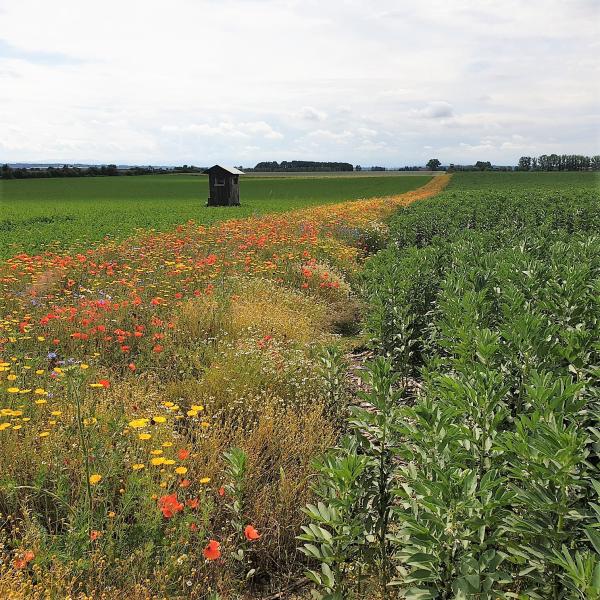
{"x": 223, "y": 186}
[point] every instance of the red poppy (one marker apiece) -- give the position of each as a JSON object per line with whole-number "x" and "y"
{"x": 251, "y": 533}
{"x": 185, "y": 483}
{"x": 105, "y": 383}
{"x": 212, "y": 550}
{"x": 131, "y": 366}
{"x": 169, "y": 505}
{"x": 183, "y": 454}
{"x": 221, "y": 491}
{"x": 193, "y": 503}
{"x": 94, "y": 535}
{"x": 193, "y": 527}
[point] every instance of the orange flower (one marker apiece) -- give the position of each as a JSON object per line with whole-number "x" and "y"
{"x": 251, "y": 533}
{"x": 131, "y": 366}
{"x": 20, "y": 562}
{"x": 221, "y": 491}
{"x": 212, "y": 550}
{"x": 185, "y": 483}
{"x": 94, "y": 535}
{"x": 183, "y": 454}
{"x": 105, "y": 383}
{"x": 169, "y": 505}
{"x": 193, "y": 503}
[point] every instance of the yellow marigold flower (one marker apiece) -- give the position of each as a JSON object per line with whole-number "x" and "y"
{"x": 205, "y": 480}
{"x": 112, "y": 514}
{"x": 159, "y": 419}
{"x": 138, "y": 423}
{"x": 11, "y": 377}
{"x": 4, "y": 426}
{"x": 84, "y": 366}
{"x": 168, "y": 404}
{"x": 17, "y": 427}
{"x": 156, "y": 452}
{"x": 40, "y": 392}
{"x": 192, "y": 413}
{"x": 181, "y": 470}
{"x": 168, "y": 461}
{"x": 144, "y": 436}
{"x": 138, "y": 467}
{"x": 13, "y": 390}
{"x": 95, "y": 478}
{"x": 41, "y": 338}
{"x": 167, "y": 444}
{"x": 56, "y": 413}
{"x": 205, "y": 424}
{"x": 197, "y": 407}
{"x": 44, "y": 434}
{"x": 159, "y": 460}
{"x": 41, "y": 401}
{"x": 39, "y": 372}
{"x": 90, "y": 421}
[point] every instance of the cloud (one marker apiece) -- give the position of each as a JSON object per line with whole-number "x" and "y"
{"x": 209, "y": 81}
{"x": 435, "y": 110}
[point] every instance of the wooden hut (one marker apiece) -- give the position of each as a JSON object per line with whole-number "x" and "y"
{"x": 223, "y": 186}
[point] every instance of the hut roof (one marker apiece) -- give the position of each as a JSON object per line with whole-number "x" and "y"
{"x": 231, "y": 170}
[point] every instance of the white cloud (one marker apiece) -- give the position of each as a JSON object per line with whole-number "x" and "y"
{"x": 199, "y": 81}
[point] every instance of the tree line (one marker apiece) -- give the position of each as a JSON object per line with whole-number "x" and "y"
{"x": 8, "y": 172}
{"x": 302, "y": 165}
{"x": 559, "y": 162}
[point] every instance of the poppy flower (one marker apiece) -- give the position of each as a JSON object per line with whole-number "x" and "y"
{"x": 221, "y": 491}
{"x": 185, "y": 483}
{"x": 250, "y": 533}
{"x": 95, "y": 534}
{"x": 169, "y": 505}
{"x": 193, "y": 503}
{"x": 105, "y": 383}
{"x": 212, "y": 550}
{"x": 183, "y": 454}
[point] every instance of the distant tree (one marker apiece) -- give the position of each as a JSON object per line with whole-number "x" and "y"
{"x": 433, "y": 164}
{"x": 6, "y": 172}
{"x": 524, "y": 163}
{"x": 358, "y": 168}
{"x": 595, "y": 162}
{"x": 483, "y": 165}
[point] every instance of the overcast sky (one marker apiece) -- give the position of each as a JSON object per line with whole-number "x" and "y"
{"x": 238, "y": 81}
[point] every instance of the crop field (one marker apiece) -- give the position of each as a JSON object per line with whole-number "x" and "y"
{"x": 391, "y": 397}
{"x": 73, "y": 213}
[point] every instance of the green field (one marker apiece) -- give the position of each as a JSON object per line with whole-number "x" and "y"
{"x": 501, "y": 181}
{"x": 71, "y": 213}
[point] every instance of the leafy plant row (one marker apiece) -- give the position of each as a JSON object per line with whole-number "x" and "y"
{"x": 471, "y": 468}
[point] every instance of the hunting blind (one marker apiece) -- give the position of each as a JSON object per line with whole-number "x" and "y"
{"x": 223, "y": 186}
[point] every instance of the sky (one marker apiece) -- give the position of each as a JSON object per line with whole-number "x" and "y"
{"x": 384, "y": 82}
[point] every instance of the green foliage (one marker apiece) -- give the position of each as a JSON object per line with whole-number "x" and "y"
{"x": 490, "y": 486}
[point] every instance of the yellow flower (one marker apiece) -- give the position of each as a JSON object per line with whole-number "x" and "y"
{"x": 56, "y": 413}
{"x": 40, "y": 392}
{"x": 41, "y": 401}
{"x": 17, "y": 427}
{"x": 167, "y": 444}
{"x": 168, "y": 461}
{"x": 84, "y": 366}
{"x": 4, "y": 426}
{"x": 44, "y": 434}
{"x": 205, "y": 480}
{"x": 197, "y": 407}
{"x": 11, "y": 377}
{"x": 39, "y": 372}
{"x": 138, "y": 423}
{"x": 13, "y": 390}
{"x": 192, "y": 413}
{"x": 159, "y": 419}
{"x": 90, "y": 421}
{"x": 156, "y": 452}
{"x": 95, "y": 478}
{"x": 138, "y": 467}
{"x": 144, "y": 436}
{"x": 159, "y": 460}
{"x": 181, "y": 470}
